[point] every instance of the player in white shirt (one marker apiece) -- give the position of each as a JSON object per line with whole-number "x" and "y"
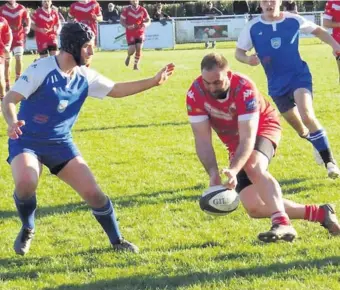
{"x": 51, "y": 92}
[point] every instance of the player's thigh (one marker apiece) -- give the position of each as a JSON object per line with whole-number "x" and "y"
{"x": 259, "y": 159}
{"x": 304, "y": 102}
{"x": 26, "y": 170}
{"x": 78, "y": 175}
{"x": 139, "y": 45}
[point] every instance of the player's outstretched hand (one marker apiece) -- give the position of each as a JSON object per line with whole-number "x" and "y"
{"x": 164, "y": 74}
{"x": 253, "y": 60}
{"x": 232, "y": 179}
{"x": 14, "y": 130}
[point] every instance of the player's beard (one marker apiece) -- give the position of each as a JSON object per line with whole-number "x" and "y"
{"x": 220, "y": 94}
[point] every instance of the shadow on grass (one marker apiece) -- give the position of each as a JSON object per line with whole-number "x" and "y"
{"x": 289, "y": 186}
{"x": 164, "y": 196}
{"x": 132, "y": 126}
{"x": 173, "y": 282}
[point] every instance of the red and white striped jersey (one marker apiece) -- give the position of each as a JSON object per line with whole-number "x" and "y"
{"x": 332, "y": 12}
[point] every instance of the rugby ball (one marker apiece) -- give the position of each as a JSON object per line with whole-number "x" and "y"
{"x": 218, "y": 200}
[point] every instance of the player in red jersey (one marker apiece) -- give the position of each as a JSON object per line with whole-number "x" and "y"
{"x": 19, "y": 21}
{"x": 135, "y": 19}
{"x": 5, "y": 47}
{"x": 230, "y": 104}
{"x": 46, "y": 24}
{"x": 87, "y": 12}
{"x": 331, "y": 19}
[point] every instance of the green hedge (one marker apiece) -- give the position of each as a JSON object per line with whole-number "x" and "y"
{"x": 196, "y": 8}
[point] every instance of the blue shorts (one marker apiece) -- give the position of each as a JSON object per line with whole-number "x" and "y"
{"x": 54, "y": 155}
{"x": 286, "y": 101}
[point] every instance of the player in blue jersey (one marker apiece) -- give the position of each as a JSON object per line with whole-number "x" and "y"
{"x": 275, "y": 37}
{"x": 52, "y": 92}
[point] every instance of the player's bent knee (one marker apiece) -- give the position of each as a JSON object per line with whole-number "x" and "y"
{"x": 25, "y": 187}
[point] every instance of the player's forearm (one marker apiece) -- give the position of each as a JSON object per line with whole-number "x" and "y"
{"x": 121, "y": 90}
{"x": 35, "y": 28}
{"x": 122, "y": 22}
{"x": 242, "y": 154}
{"x": 330, "y": 24}
{"x": 9, "y": 111}
{"x": 206, "y": 155}
{"x": 99, "y": 18}
{"x": 241, "y": 55}
{"x": 147, "y": 22}
{"x": 325, "y": 37}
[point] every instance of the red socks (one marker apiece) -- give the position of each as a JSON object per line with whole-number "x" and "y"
{"x": 280, "y": 218}
{"x": 314, "y": 213}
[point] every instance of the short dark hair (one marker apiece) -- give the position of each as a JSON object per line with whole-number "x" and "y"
{"x": 212, "y": 60}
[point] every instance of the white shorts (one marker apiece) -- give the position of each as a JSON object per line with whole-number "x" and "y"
{"x": 17, "y": 51}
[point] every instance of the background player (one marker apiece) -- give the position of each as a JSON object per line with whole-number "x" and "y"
{"x": 46, "y": 24}
{"x": 135, "y": 19}
{"x": 249, "y": 127}
{"x": 52, "y": 92}
{"x": 331, "y": 19}
{"x": 5, "y": 46}
{"x": 18, "y": 19}
{"x": 87, "y": 12}
{"x": 275, "y": 37}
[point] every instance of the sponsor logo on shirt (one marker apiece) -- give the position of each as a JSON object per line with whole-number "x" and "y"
{"x": 251, "y": 105}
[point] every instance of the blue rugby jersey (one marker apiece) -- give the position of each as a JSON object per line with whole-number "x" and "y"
{"x": 53, "y": 98}
{"x": 277, "y": 46}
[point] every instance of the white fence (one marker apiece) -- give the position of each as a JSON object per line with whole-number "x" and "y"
{"x": 179, "y": 30}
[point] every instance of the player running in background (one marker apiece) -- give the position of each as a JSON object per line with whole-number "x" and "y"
{"x": 46, "y": 24}
{"x": 135, "y": 19}
{"x": 51, "y": 92}
{"x": 231, "y": 105}
{"x": 18, "y": 19}
{"x": 87, "y": 12}
{"x": 331, "y": 19}
{"x": 275, "y": 37}
{"x": 5, "y": 47}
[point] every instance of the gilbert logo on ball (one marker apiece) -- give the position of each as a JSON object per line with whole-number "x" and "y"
{"x": 218, "y": 200}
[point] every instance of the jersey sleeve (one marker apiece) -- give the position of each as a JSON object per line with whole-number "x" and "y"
{"x": 97, "y": 10}
{"x": 29, "y": 81}
{"x": 71, "y": 11}
{"x": 195, "y": 106}
{"x": 146, "y": 14}
{"x": 124, "y": 13}
{"x": 244, "y": 41}
{"x": 6, "y": 36}
{"x": 306, "y": 26}
{"x": 329, "y": 11}
{"x": 99, "y": 86}
{"x": 247, "y": 103}
{"x": 34, "y": 16}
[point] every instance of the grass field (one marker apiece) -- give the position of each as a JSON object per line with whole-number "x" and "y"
{"x": 142, "y": 152}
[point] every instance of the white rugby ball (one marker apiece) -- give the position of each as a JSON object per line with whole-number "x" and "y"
{"x": 218, "y": 200}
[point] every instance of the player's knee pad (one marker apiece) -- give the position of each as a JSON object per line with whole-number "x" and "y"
{"x": 18, "y": 51}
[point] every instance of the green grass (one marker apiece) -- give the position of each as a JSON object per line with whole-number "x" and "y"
{"x": 142, "y": 152}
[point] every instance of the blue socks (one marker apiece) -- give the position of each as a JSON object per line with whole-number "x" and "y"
{"x": 107, "y": 219}
{"x": 320, "y": 142}
{"x": 26, "y": 209}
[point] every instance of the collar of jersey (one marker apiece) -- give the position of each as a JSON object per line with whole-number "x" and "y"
{"x": 273, "y": 22}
